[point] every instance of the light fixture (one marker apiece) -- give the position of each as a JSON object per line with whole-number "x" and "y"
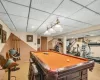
{"x": 47, "y": 33}
{"x": 51, "y": 30}
{"x": 56, "y": 27}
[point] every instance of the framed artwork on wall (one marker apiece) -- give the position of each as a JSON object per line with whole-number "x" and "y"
{"x": 4, "y": 35}
{"x": 38, "y": 41}
{"x": 0, "y": 31}
{"x": 29, "y": 38}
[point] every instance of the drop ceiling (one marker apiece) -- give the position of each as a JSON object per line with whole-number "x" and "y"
{"x": 36, "y": 15}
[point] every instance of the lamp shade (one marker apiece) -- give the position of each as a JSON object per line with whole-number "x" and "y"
{"x": 58, "y": 28}
{"x": 51, "y": 30}
{"x": 47, "y": 33}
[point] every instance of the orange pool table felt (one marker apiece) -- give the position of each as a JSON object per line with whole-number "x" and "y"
{"x": 55, "y": 60}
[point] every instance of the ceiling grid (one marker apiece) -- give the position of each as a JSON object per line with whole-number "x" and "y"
{"x": 73, "y": 14}
{"x": 8, "y": 15}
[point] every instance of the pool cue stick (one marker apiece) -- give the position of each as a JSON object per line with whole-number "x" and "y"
{"x": 19, "y": 46}
{"x": 16, "y": 44}
{"x": 13, "y": 41}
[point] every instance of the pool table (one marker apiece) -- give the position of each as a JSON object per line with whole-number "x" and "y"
{"x": 57, "y": 66}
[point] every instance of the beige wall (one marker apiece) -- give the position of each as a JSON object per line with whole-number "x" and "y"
{"x": 22, "y": 36}
{"x": 8, "y": 34}
{"x": 94, "y": 38}
{"x": 95, "y": 49}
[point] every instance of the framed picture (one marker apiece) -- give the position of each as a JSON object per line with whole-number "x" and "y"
{"x": 29, "y": 38}
{"x": 0, "y": 31}
{"x": 4, "y": 34}
{"x": 38, "y": 41}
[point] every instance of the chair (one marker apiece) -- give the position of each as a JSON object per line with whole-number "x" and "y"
{"x": 7, "y": 64}
{"x": 14, "y": 54}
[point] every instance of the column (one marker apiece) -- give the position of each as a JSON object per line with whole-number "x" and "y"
{"x": 64, "y": 44}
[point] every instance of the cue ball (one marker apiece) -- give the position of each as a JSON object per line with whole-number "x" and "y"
{"x": 67, "y": 60}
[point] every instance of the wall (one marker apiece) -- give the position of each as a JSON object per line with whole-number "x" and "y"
{"x": 48, "y": 40}
{"x": 22, "y": 36}
{"x": 94, "y": 38}
{"x": 8, "y": 34}
{"x": 95, "y": 49}
{"x": 6, "y": 47}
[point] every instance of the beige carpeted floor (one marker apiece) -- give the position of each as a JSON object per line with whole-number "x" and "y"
{"x": 22, "y": 74}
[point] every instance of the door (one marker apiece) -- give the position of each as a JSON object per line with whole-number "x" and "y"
{"x": 43, "y": 43}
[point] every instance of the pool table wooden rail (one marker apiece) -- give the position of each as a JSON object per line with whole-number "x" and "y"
{"x": 78, "y": 71}
{"x": 90, "y": 63}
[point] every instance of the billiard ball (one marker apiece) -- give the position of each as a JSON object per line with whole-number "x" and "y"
{"x": 67, "y": 60}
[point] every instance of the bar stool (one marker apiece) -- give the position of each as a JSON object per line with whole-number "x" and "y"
{"x": 7, "y": 64}
{"x": 10, "y": 64}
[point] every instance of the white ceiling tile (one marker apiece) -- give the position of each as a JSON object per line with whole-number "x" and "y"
{"x": 4, "y": 17}
{"x": 2, "y": 9}
{"x": 67, "y": 8}
{"x": 67, "y": 24}
{"x": 33, "y": 25}
{"x": 23, "y": 2}
{"x": 84, "y": 2}
{"x": 19, "y": 22}
{"x": 38, "y": 15}
{"x": 32, "y": 29}
{"x": 95, "y": 6}
{"x": 42, "y": 29}
{"x": 7, "y": 21}
{"x": 73, "y": 23}
{"x": 46, "y": 24}
{"x": 16, "y": 9}
{"x": 33, "y": 22}
{"x": 46, "y": 5}
{"x": 21, "y": 30}
{"x": 10, "y": 25}
{"x": 87, "y": 16}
